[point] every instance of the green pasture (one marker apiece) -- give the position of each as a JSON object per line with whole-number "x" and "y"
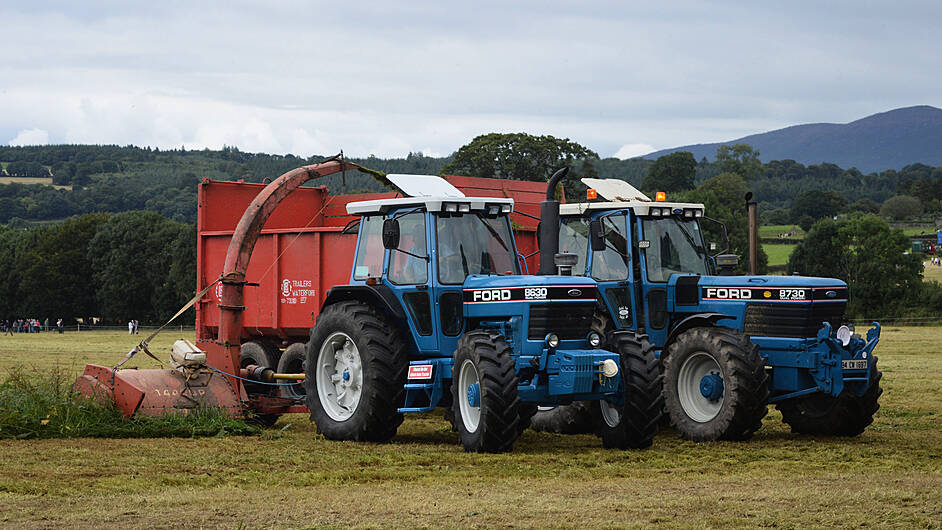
{"x": 289, "y": 476}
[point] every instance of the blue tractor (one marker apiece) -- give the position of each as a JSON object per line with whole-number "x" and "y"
{"x": 727, "y": 345}
{"x": 438, "y": 314}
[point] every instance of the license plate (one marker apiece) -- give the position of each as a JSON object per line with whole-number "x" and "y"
{"x": 854, "y": 364}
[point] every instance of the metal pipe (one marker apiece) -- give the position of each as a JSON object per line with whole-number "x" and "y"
{"x": 752, "y": 214}
{"x": 548, "y": 235}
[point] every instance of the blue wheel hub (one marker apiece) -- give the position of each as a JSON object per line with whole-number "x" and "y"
{"x": 346, "y": 376}
{"x": 711, "y": 387}
{"x": 474, "y": 395}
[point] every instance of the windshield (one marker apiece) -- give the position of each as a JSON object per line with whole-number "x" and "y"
{"x": 474, "y": 244}
{"x": 607, "y": 265}
{"x": 676, "y": 247}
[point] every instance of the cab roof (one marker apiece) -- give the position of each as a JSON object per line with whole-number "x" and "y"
{"x": 619, "y": 195}
{"x": 432, "y": 204}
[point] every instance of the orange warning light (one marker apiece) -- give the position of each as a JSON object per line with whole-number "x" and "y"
{"x": 591, "y": 194}
{"x": 660, "y": 197}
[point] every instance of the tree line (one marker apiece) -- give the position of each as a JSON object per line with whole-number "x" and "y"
{"x": 132, "y": 265}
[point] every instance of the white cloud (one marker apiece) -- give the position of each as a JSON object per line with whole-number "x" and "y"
{"x": 31, "y": 137}
{"x": 632, "y": 150}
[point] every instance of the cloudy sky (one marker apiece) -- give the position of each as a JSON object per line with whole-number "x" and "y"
{"x": 387, "y": 78}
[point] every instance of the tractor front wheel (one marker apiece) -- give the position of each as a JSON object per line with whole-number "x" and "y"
{"x": 633, "y": 423}
{"x": 845, "y": 415}
{"x": 484, "y": 394}
{"x": 715, "y": 385}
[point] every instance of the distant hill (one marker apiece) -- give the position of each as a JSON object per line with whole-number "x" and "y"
{"x": 889, "y": 140}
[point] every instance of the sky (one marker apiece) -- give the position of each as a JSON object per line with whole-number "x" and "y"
{"x": 390, "y": 78}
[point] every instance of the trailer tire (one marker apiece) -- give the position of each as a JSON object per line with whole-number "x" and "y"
{"x": 633, "y": 423}
{"x": 484, "y": 393}
{"x": 293, "y": 361}
{"x": 259, "y": 354}
{"x": 737, "y": 376}
{"x": 845, "y": 415}
{"x": 356, "y": 389}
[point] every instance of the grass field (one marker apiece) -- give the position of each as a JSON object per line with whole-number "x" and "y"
{"x": 775, "y": 230}
{"x": 778, "y": 254}
{"x": 32, "y": 180}
{"x": 891, "y": 476}
{"x": 932, "y": 273}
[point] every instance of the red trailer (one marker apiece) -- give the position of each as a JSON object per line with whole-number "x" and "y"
{"x": 303, "y": 251}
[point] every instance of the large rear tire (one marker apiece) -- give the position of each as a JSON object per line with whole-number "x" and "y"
{"x": 715, "y": 385}
{"x": 259, "y": 354}
{"x": 633, "y": 423}
{"x": 356, "y": 369}
{"x": 845, "y": 415}
{"x": 484, "y": 393}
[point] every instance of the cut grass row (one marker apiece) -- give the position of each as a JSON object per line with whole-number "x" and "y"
{"x": 290, "y": 476}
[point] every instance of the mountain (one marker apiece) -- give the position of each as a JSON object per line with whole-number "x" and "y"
{"x": 888, "y": 140}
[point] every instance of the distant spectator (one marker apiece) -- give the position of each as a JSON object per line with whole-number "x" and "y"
{"x": 59, "y": 325}
{"x": 46, "y": 324}
{"x": 130, "y": 327}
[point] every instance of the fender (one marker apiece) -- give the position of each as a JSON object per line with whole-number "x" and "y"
{"x": 380, "y": 296}
{"x": 693, "y": 321}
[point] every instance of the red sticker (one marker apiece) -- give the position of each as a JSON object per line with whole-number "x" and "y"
{"x": 420, "y": 371}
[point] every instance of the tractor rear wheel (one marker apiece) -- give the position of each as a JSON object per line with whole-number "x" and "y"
{"x": 356, "y": 372}
{"x": 292, "y": 362}
{"x": 633, "y": 423}
{"x": 715, "y": 385}
{"x": 845, "y": 415}
{"x": 484, "y": 393}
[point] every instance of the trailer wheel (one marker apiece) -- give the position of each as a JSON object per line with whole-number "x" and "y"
{"x": 356, "y": 369}
{"x": 484, "y": 393}
{"x": 259, "y": 354}
{"x": 633, "y": 423}
{"x": 292, "y": 362}
{"x": 845, "y": 415}
{"x": 715, "y": 385}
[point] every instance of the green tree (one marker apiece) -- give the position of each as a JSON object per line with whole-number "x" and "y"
{"x": 901, "y": 207}
{"x": 818, "y": 204}
{"x": 723, "y": 199}
{"x": 866, "y": 253}
{"x": 672, "y": 172}
{"x": 740, "y": 159}
{"x": 56, "y": 274}
{"x": 521, "y": 156}
{"x": 132, "y": 255}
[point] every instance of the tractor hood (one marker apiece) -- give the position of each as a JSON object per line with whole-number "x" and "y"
{"x": 506, "y": 296}
{"x": 766, "y": 288}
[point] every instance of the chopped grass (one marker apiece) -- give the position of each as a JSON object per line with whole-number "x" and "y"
{"x": 890, "y": 476}
{"x": 43, "y": 406}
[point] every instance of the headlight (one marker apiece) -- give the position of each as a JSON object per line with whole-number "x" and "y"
{"x": 505, "y": 208}
{"x": 464, "y": 207}
{"x": 451, "y": 207}
{"x": 552, "y": 340}
{"x": 594, "y": 339}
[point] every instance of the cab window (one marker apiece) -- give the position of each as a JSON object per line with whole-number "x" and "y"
{"x": 369, "y": 261}
{"x": 407, "y": 265}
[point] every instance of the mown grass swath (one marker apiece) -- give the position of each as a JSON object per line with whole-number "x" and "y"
{"x": 42, "y": 405}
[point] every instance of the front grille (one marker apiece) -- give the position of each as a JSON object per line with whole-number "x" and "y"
{"x": 791, "y": 320}
{"x": 568, "y": 321}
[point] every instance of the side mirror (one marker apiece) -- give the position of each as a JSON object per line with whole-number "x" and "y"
{"x": 597, "y": 235}
{"x": 391, "y": 233}
{"x": 727, "y": 264}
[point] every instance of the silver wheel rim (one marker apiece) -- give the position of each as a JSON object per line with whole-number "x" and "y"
{"x": 695, "y": 405}
{"x": 610, "y": 413}
{"x": 339, "y": 376}
{"x": 467, "y": 376}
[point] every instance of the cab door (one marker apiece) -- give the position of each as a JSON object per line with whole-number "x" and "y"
{"x": 613, "y": 269}
{"x": 407, "y": 273}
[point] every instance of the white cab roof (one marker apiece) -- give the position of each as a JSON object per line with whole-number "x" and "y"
{"x": 638, "y": 207}
{"x": 423, "y": 185}
{"x": 615, "y": 190}
{"x": 432, "y": 204}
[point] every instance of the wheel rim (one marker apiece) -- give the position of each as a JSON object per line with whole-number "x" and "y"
{"x": 697, "y": 368}
{"x": 468, "y": 380}
{"x": 610, "y": 413}
{"x": 339, "y": 376}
